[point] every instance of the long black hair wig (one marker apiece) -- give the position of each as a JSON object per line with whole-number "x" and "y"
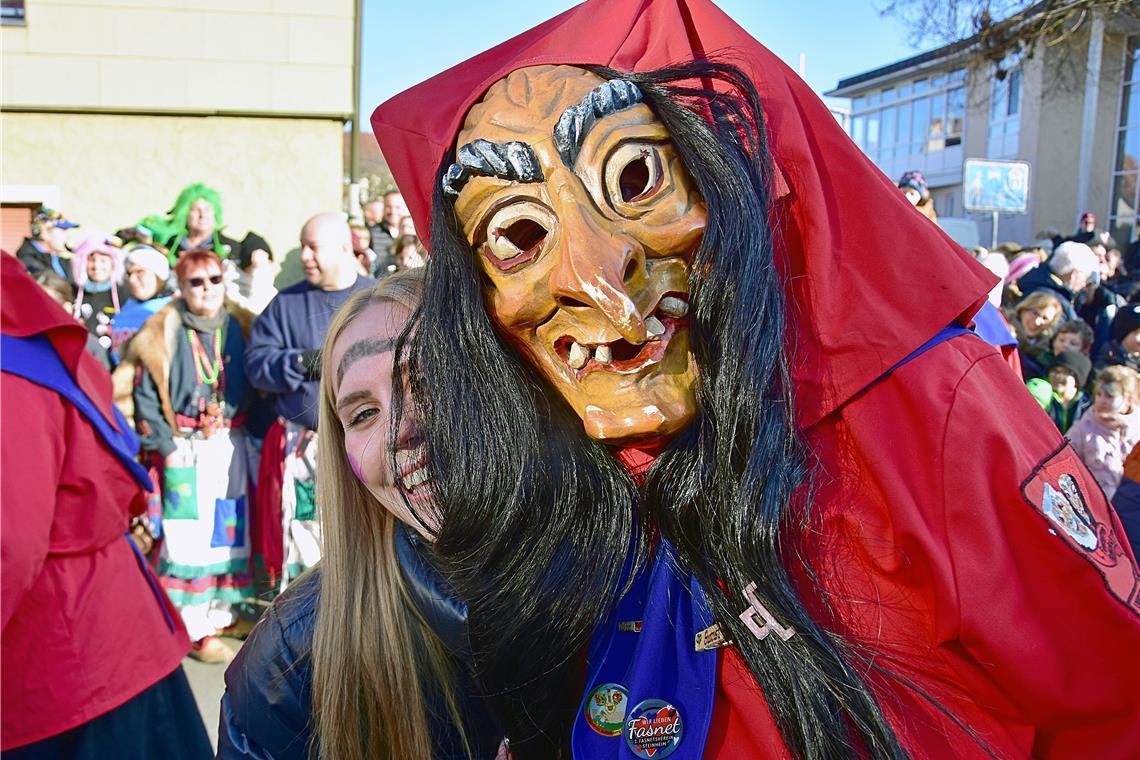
{"x": 537, "y": 519}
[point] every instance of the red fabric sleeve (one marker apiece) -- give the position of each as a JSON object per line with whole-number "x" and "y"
{"x": 31, "y": 450}
{"x": 1051, "y": 623}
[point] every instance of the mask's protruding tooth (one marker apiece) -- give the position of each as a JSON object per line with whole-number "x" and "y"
{"x": 603, "y": 355}
{"x": 673, "y": 307}
{"x": 578, "y": 356}
{"x": 654, "y": 327}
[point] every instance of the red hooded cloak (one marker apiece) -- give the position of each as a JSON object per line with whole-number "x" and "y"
{"x": 951, "y": 544}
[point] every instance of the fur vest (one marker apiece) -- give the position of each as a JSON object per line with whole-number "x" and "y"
{"x": 152, "y": 348}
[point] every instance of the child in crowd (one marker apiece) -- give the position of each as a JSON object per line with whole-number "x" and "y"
{"x": 1124, "y": 348}
{"x": 1105, "y": 434}
{"x": 1073, "y": 335}
{"x": 1037, "y": 317}
{"x": 98, "y": 271}
{"x": 1063, "y": 396}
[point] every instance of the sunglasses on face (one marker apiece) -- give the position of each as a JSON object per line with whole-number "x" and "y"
{"x": 200, "y": 282}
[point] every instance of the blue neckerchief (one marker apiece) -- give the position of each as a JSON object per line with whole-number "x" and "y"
{"x": 57, "y": 265}
{"x": 34, "y": 359}
{"x": 991, "y": 328}
{"x": 658, "y": 663}
{"x": 98, "y": 287}
{"x": 661, "y": 661}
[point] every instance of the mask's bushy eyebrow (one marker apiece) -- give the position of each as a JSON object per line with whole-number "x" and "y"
{"x": 577, "y": 121}
{"x": 514, "y": 160}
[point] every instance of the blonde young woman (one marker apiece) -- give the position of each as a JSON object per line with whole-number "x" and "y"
{"x": 364, "y": 655}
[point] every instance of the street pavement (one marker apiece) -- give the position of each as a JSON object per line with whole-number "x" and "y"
{"x": 208, "y": 683}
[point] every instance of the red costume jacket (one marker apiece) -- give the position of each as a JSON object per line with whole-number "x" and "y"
{"x": 83, "y": 630}
{"x": 975, "y": 559}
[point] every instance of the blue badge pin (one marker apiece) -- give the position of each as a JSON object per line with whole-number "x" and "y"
{"x": 606, "y": 707}
{"x": 653, "y": 729}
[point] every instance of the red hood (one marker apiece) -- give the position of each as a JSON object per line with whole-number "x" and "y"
{"x": 25, "y": 310}
{"x": 869, "y": 279}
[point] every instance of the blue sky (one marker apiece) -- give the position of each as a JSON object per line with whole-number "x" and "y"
{"x": 407, "y": 41}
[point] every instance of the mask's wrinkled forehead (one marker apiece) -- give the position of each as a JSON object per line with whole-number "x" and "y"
{"x": 520, "y": 101}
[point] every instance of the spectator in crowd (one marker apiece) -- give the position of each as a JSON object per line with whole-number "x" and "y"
{"x": 1063, "y": 396}
{"x": 62, "y": 293}
{"x": 249, "y": 279}
{"x": 407, "y": 226}
{"x": 1067, "y": 273}
{"x": 1073, "y": 335}
{"x": 194, "y": 223}
{"x": 374, "y": 612}
{"x": 1038, "y": 316}
{"x": 1086, "y": 228}
{"x": 284, "y": 361}
{"x": 1105, "y": 434}
{"x": 147, "y": 273}
{"x": 47, "y": 247}
{"x": 385, "y": 229}
{"x": 1019, "y": 266}
{"x": 361, "y": 248}
{"x": 91, "y": 648}
{"x": 98, "y": 271}
{"x": 1126, "y": 500}
{"x": 410, "y": 252}
{"x": 913, "y": 186}
{"x": 189, "y": 409}
{"x": 1124, "y": 348}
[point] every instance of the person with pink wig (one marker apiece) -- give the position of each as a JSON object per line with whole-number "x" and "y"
{"x": 98, "y": 268}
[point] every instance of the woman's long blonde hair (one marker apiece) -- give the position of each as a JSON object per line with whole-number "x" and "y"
{"x": 373, "y": 655}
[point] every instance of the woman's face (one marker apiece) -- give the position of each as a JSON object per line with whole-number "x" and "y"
{"x": 362, "y": 357}
{"x": 204, "y": 289}
{"x": 1110, "y": 399}
{"x": 1037, "y": 320}
{"x": 144, "y": 283}
{"x": 99, "y": 267}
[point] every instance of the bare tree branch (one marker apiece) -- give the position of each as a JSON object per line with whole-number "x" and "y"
{"x": 997, "y": 29}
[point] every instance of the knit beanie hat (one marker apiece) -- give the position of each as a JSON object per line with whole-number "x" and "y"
{"x": 150, "y": 259}
{"x": 915, "y": 181}
{"x": 1021, "y": 265}
{"x": 1076, "y": 362}
{"x": 1127, "y": 320}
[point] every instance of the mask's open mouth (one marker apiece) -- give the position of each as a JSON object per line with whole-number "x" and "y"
{"x": 620, "y": 356}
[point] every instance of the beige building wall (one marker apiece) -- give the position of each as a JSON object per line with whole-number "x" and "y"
{"x": 110, "y": 107}
{"x": 112, "y": 170}
{"x": 205, "y": 56}
{"x": 1054, "y": 136}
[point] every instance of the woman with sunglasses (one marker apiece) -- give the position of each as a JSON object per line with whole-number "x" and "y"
{"x": 189, "y": 409}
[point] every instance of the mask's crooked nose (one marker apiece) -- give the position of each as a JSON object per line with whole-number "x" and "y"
{"x": 594, "y": 268}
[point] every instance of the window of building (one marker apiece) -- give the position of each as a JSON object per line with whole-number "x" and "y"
{"x": 1124, "y": 196}
{"x": 955, "y": 115}
{"x": 1004, "y": 131}
{"x": 906, "y": 120}
{"x": 12, "y": 13}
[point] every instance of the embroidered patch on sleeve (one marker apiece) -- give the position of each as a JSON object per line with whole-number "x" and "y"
{"x": 1075, "y": 509}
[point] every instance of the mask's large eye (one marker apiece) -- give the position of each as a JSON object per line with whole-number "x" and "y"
{"x": 634, "y": 174}
{"x": 516, "y": 233}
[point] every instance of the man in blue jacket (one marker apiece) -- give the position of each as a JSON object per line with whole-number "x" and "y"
{"x": 283, "y": 359}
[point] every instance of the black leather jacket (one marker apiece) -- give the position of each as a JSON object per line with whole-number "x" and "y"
{"x": 265, "y": 710}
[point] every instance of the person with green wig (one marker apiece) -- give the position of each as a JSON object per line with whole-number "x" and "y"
{"x": 194, "y": 223}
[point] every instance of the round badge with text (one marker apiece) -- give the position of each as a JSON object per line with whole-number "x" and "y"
{"x": 605, "y": 708}
{"x": 653, "y": 729}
